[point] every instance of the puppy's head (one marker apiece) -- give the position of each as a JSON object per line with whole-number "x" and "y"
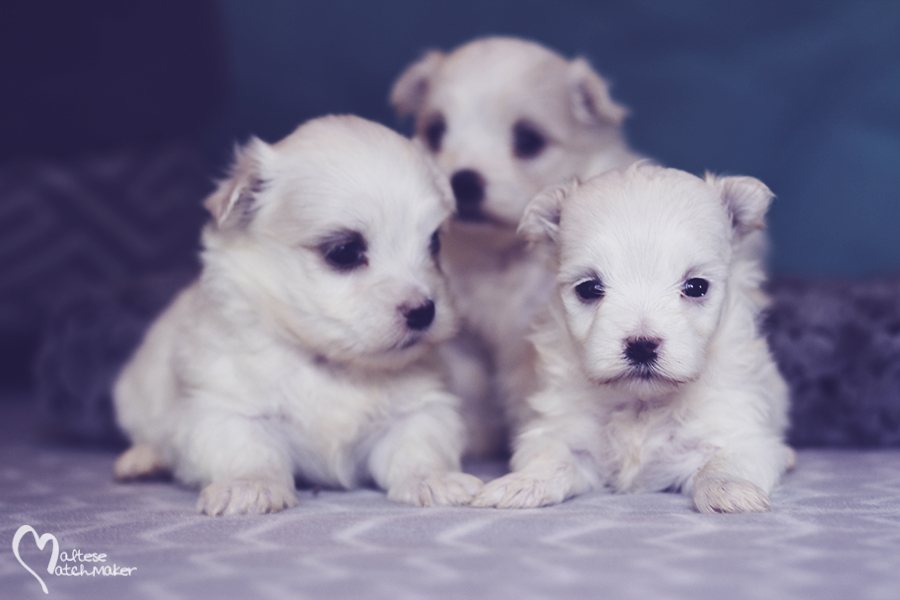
{"x": 645, "y": 268}
{"x": 504, "y": 118}
{"x": 332, "y": 236}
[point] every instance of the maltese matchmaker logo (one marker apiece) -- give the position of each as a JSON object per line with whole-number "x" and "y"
{"x": 74, "y": 563}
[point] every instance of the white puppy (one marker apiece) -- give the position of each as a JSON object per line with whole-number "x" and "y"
{"x": 505, "y": 118}
{"x": 303, "y": 348}
{"x": 654, "y": 375}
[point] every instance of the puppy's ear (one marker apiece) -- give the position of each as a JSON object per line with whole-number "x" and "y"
{"x": 540, "y": 223}
{"x": 409, "y": 90}
{"x": 591, "y": 101}
{"x": 235, "y": 201}
{"x": 746, "y": 199}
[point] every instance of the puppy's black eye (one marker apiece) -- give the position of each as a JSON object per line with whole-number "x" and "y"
{"x": 347, "y": 254}
{"x": 434, "y": 246}
{"x": 695, "y": 287}
{"x": 528, "y": 142}
{"x": 590, "y": 290}
{"x": 434, "y": 132}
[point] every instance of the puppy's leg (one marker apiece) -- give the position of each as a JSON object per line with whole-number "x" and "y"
{"x": 244, "y": 465}
{"x": 140, "y": 461}
{"x": 418, "y": 460}
{"x": 465, "y": 364}
{"x": 740, "y": 481}
{"x": 545, "y": 472}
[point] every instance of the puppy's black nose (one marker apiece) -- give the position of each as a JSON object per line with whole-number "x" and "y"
{"x": 641, "y": 351}
{"x": 468, "y": 187}
{"x": 420, "y": 318}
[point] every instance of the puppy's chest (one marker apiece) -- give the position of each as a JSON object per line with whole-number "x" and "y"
{"x": 499, "y": 295}
{"x": 648, "y": 450}
{"x": 322, "y": 409}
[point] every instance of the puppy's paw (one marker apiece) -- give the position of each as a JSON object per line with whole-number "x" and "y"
{"x": 445, "y": 489}
{"x": 519, "y": 490}
{"x": 245, "y": 496}
{"x": 139, "y": 462}
{"x": 723, "y": 493}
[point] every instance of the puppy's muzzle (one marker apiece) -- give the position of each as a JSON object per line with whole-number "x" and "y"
{"x": 420, "y": 317}
{"x": 468, "y": 187}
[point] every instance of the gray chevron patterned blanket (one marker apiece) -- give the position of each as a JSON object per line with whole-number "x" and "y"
{"x": 834, "y": 534}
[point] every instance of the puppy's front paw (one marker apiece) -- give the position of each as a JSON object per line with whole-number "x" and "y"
{"x": 446, "y": 489}
{"x": 139, "y": 462}
{"x": 723, "y": 493}
{"x": 518, "y": 490}
{"x": 245, "y": 496}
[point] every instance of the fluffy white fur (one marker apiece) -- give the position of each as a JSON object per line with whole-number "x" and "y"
{"x": 298, "y": 351}
{"x": 647, "y": 384}
{"x": 512, "y": 117}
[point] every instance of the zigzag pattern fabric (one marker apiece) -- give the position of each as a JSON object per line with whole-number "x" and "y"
{"x": 832, "y": 535}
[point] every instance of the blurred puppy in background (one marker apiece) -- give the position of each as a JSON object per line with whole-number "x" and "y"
{"x": 504, "y": 118}
{"x": 304, "y": 347}
{"x": 653, "y": 372}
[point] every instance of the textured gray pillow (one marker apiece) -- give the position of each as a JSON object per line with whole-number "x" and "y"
{"x": 838, "y": 345}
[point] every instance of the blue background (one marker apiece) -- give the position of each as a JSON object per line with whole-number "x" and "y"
{"x": 803, "y": 95}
